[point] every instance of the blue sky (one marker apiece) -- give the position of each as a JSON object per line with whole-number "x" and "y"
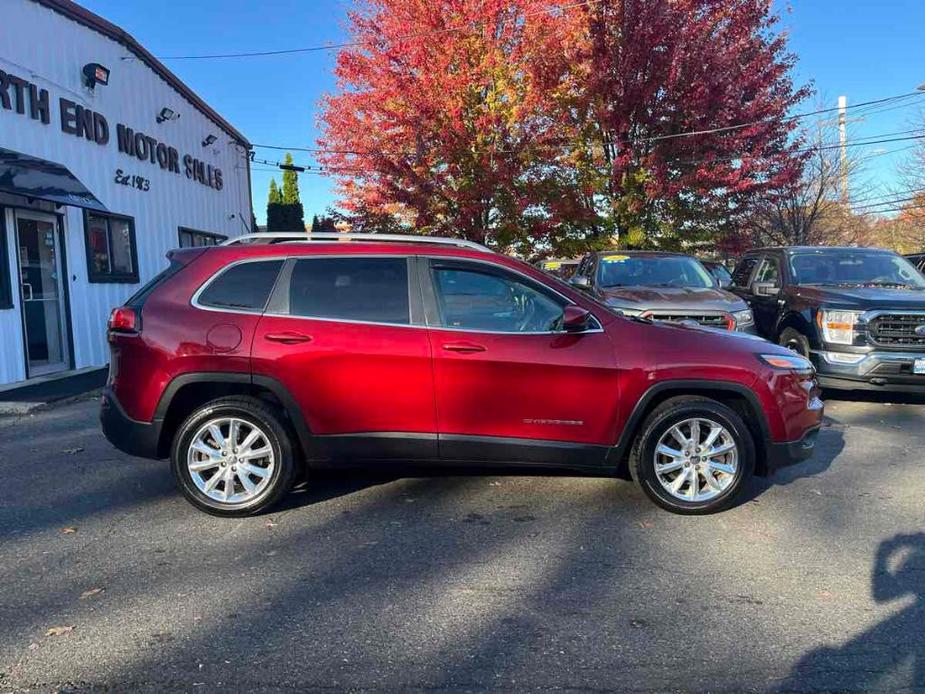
{"x": 862, "y": 49}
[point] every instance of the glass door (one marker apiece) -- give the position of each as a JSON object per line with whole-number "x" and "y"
{"x": 42, "y": 293}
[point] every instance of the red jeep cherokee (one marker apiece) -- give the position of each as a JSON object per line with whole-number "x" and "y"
{"x": 248, "y": 362}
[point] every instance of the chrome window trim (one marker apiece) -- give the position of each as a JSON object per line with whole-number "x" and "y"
{"x": 194, "y": 301}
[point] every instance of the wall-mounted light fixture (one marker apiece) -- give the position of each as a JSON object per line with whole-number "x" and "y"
{"x": 209, "y": 140}
{"x": 95, "y": 74}
{"x": 167, "y": 114}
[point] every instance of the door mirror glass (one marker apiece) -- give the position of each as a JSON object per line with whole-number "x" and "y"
{"x": 575, "y": 319}
{"x": 581, "y": 282}
{"x": 765, "y": 289}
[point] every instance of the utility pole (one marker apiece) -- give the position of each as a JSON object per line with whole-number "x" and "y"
{"x": 843, "y": 143}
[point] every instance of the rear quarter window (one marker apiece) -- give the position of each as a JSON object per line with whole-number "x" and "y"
{"x": 246, "y": 286}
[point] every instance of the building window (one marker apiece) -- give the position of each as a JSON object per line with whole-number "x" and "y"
{"x": 111, "y": 252}
{"x": 191, "y": 238}
{"x": 6, "y": 286}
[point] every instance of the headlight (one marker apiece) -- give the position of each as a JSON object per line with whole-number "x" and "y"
{"x": 743, "y": 317}
{"x": 787, "y": 361}
{"x": 838, "y": 326}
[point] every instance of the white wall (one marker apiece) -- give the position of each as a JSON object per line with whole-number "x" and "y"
{"x": 42, "y": 46}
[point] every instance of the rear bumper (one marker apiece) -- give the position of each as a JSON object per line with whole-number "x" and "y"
{"x": 877, "y": 370}
{"x": 128, "y": 435}
{"x": 791, "y": 452}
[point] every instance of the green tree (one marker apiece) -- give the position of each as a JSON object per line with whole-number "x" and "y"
{"x": 290, "y": 183}
{"x": 275, "y": 196}
{"x": 276, "y": 212}
{"x": 294, "y": 214}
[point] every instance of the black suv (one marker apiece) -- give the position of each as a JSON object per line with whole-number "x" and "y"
{"x": 663, "y": 287}
{"x": 857, "y": 313}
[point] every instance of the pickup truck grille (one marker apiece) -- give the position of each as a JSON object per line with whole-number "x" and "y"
{"x": 897, "y": 330}
{"x": 710, "y": 320}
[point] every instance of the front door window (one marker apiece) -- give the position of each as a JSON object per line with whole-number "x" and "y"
{"x": 40, "y": 275}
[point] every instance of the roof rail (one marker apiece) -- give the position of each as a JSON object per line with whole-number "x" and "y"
{"x": 328, "y": 236}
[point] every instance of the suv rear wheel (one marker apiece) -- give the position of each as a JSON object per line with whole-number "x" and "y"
{"x": 693, "y": 455}
{"x": 233, "y": 457}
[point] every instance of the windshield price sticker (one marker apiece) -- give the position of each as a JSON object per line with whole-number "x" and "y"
{"x": 615, "y": 258}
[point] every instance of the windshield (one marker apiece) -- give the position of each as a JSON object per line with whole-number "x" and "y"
{"x": 856, "y": 268}
{"x": 617, "y": 270}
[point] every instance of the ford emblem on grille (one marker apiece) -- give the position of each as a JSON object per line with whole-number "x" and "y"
{"x": 920, "y": 330}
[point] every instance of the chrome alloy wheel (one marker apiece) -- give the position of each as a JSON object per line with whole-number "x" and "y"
{"x": 230, "y": 460}
{"x": 696, "y": 460}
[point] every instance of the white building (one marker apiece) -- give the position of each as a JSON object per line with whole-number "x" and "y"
{"x": 107, "y": 161}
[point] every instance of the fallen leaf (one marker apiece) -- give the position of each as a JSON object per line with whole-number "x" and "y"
{"x": 90, "y": 593}
{"x": 72, "y": 451}
{"x": 58, "y": 631}
{"x": 69, "y": 530}
{"x": 645, "y": 524}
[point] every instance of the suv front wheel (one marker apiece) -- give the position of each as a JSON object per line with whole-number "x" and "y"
{"x": 232, "y": 457}
{"x": 693, "y": 455}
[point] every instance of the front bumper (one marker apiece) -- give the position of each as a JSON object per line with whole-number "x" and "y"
{"x": 791, "y": 452}
{"x": 128, "y": 435}
{"x": 877, "y": 370}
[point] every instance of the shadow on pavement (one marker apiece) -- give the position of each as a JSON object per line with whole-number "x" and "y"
{"x": 873, "y": 396}
{"x": 883, "y": 650}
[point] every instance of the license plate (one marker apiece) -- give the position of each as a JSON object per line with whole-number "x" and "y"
{"x": 918, "y": 366}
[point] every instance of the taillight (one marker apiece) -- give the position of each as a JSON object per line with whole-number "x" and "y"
{"x": 124, "y": 320}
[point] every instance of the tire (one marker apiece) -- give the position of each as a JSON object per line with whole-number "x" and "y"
{"x": 729, "y": 470}
{"x": 793, "y": 339}
{"x": 257, "y": 481}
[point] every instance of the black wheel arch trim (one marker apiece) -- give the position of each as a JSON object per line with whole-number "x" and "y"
{"x": 621, "y": 450}
{"x": 291, "y": 407}
{"x": 799, "y": 321}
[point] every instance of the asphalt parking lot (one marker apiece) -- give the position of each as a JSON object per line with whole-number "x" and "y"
{"x": 109, "y": 580}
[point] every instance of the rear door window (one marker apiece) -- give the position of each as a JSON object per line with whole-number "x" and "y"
{"x": 245, "y": 286}
{"x": 372, "y": 290}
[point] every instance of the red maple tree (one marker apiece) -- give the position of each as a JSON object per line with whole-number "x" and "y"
{"x": 532, "y": 124}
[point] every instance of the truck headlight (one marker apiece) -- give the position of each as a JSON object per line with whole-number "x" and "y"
{"x": 838, "y": 327}
{"x": 743, "y": 318}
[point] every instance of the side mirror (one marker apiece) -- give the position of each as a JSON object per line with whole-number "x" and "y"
{"x": 765, "y": 289}
{"x": 581, "y": 282}
{"x": 575, "y": 319}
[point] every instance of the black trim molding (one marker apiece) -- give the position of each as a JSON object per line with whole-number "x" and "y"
{"x": 6, "y": 273}
{"x": 110, "y": 277}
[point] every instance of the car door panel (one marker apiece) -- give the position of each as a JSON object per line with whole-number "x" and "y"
{"x": 518, "y": 396}
{"x": 360, "y": 381}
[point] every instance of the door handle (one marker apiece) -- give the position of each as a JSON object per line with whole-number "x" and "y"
{"x": 24, "y": 286}
{"x": 288, "y": 338}
{"x": 463, "y": 347}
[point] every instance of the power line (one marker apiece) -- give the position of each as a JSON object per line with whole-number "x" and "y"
{"x": 323, "y": 150}
{"x": 710, "y": 131}
{"x": 356, "y": 44}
